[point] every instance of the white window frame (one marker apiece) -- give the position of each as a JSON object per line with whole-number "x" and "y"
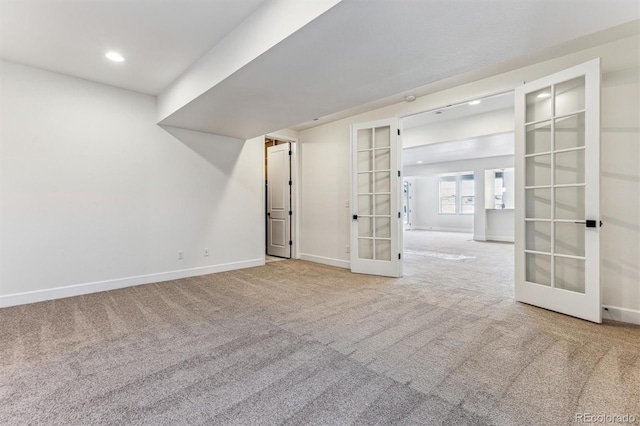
{"x": 457, "y": 178}
{"x": 449, "y": 178}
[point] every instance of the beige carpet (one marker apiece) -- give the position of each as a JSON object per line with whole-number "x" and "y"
{"x": 299, "y": 343}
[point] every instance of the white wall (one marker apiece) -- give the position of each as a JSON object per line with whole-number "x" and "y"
{"x": 428, "y": 176}
{"x": 473, "y": 126}
{"x": 93, "y": 191}
{"x": 425, "y": 208}
{"x": 325, "y": 165}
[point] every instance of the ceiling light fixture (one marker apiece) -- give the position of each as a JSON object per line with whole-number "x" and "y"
{"x": 543, "y": 95}
{"x": 419, "y": 161}
{"x": 476, "y": 102}
{"x": 409, "y": 98}
{"x": 114, "y": 56}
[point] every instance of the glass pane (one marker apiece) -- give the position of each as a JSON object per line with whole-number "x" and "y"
{"x": 383, "y": 159}
{"x": 383, "y": 204}
{"x": 539, "y": 105}
{"x": 570, "y": 203}
{"x": 538, "y": 203}
{"x": 569, "y": 239}
{"x": 365, "y": 205}
{"x": 538, "y": 236}
{"x": 365, "y": 139}
{"x": 383, "y": 227}
{"x": 538, "y": 170}
{"x": 383, "y": 182}
{"x": 538, "y": 269}
{"x": 569, "y": 274}
{"x": 365, "y": 183}
{"x": 365, "y": 248}
{"x": 383, "y": 137}
{"x": 538, "y": 138}
{"x": 365, "y": 162}
{"x": 569, "y": 167}
{"x": 383, "y": 249}
{"x": 365, "y": 226}
{"x": 570, "y": 96}
{"x": 570, "y": 132}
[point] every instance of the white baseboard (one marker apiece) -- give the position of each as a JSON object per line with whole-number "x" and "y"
{"x": 500, "y": 239}
{"x": 437, "y": 228}
{"x": 326, "y": 260}
{"x": 621, "y": 314}
{"x": 97, "y": 286}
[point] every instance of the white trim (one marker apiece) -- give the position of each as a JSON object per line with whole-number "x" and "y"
{"x": 500, "y": 239}
{"x": 106, "y": 285}
{"x": 616, "y": 313}
{"x": 441, "y": 229}
{"x": 326, "y": 260}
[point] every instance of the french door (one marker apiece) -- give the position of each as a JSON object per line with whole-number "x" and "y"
{"x": 376, "y": 201}
{"x": 557, "y": 159}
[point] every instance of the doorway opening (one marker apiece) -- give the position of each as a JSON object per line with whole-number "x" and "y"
{"x": 458, "y": 228}
{"x": 279, "y": 190}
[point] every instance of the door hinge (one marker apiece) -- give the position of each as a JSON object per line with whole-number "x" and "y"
{"x": 290, "y": 182}
{"x": 399, "y": 256}
{"x": 290, "y": 242}
{"x": 398, "y": 215}
{"x": 290, "y": 153}
{"x": 398, "y": 173}
{"x": 290, "y": 212}
{"x": 398, "y": 132}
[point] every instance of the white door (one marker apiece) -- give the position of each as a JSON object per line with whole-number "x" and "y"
{"x": 279, "y": 200}
{"x": 557, "y": 188}
{"x": 376, "y": 198}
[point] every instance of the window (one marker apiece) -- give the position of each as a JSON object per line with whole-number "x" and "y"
{"x": 466, "y": 194}
{"x": 498, "y": 191}
{"x": 453, "y": 201}
{"x": 448, "y": 195}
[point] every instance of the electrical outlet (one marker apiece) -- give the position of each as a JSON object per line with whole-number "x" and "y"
{"x": 347, "y": 248}
{"x": 206, "y": 252}
{"x": 180, "y": 254}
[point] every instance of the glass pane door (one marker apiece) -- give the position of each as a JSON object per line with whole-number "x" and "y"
{"x": 554, "y": 186}
{"x": 374, "y": 193}
{"x": 557, "y": 200}
{"x": 376, "y": 198}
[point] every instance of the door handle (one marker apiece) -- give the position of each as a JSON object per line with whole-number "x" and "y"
{"x": 268, "y": 214}
{"x": 589, "y": 223}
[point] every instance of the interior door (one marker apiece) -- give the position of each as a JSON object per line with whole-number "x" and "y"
{"x": 279, "y": 200}
{"x": 376, "y": 200}
{"x": 557, "y": 159}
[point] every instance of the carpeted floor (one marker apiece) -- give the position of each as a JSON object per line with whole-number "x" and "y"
{"x": 294, "y": 342}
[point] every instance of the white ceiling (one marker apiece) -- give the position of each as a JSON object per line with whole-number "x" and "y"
{"x": 449, "y": 112}
{"x": 159, "y": 39}
{"x": 356, "y": 53}
{"x": 480, "y": 147}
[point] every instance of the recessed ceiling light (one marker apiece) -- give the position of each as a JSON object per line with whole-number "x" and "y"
{"x": 476, "y": 102}
{"x": 114, "y": 56}
{"x": 419, "y": 161}
{"x": 544, "y": 95}
{"x": 409, "y": 98}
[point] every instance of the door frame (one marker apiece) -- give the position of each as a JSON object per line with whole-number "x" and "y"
{"x": 295, "y": 191}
